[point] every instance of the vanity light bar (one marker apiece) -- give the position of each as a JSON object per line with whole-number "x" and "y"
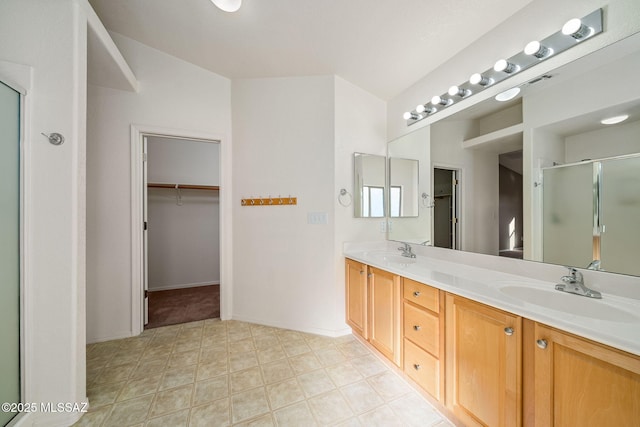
{"x": 573, "y": 32}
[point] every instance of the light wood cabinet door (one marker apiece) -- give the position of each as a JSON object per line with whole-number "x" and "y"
{"x": 384, "y": 313}
{"x": 581, "y": 383}
{"x": 356, "y": 297}
{"x": 483, "y": 364}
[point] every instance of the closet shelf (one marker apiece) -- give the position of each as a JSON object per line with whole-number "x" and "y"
{"x": 184, "y": 186}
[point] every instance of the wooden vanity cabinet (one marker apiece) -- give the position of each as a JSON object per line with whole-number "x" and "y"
{"x": 423, "y": 336}
{"x": 483, "y": 364}
{"x": 373, "y": 307}
{"x": 582, "y": 383}
{"x": 356, "y": 297}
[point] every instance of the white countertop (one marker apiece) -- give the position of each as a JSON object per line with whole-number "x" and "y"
{"x": 612, "y": 320}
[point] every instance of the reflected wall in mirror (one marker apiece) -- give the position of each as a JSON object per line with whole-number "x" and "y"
{"x": 403, "y": 187}
{"x": 507, "y": 153}
{"x": 409, "y": 167}
{"x": 369, "y": 173}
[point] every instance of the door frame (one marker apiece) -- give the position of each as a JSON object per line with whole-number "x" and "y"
{"x": 456, "y": 198}
{"x": 138, "y": 132}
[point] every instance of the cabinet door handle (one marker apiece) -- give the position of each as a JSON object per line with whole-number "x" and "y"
{"x": 416, "y": 327}
{"x": 508, "y": 331}
{"x": 361, "y": 271}
{"x": 416, "y": 294}
{"x": 416, "y": 366}
{"x": 370, "y": 275}
{"x": 541, "y": 344}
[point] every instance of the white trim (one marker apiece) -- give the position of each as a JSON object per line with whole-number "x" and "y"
{"x": 137, "y": 133}
{"x": 182, "y": 286}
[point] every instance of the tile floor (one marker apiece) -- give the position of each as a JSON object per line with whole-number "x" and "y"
{"x": 214, "y": 373}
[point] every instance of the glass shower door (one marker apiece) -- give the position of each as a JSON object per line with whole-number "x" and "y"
{"x": 9, "y": 249}
{"x": 620, "y": 215}
{"x": 568, "y": 215}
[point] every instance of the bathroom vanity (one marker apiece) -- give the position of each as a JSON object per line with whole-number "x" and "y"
{"x": 494, "y": 348}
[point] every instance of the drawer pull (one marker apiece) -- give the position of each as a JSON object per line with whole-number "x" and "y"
{"x": 416, "y": 327}
{"x": 361, "y": 272}
{"x": 370, "y": 275}
{"x": 416, "y": 294}
{"x": 508, "y": 331}
{"x": 541, "y": 344}
{"x": 416, "y": 366}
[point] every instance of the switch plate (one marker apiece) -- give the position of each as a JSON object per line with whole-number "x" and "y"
{"x": 317, "y": 218}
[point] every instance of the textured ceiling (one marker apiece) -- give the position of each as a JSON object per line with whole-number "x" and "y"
{"x": 383, "y": 46}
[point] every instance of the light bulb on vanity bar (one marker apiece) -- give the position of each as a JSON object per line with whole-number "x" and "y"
{"x": 576, "y": 29}
{"x": 438, "y": 100}
{"x": 534, "y": 48}
{"x": 479, "y": 79}
{"x": 410, "y": 115}
{"x": 505, "y": 66}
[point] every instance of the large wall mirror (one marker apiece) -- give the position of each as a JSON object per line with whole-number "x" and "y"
{"x": 369, "y": 174}
{"x": 540, "y": 177}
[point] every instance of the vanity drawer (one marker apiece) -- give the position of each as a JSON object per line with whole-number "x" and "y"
{"x": 420, "y": 294}
{"x": 422, "y": 368}
{"x": 422, "y": 328}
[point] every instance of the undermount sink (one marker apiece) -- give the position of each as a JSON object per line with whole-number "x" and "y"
{"x": 392, "y": 258}
{"x": 568, "y": 303}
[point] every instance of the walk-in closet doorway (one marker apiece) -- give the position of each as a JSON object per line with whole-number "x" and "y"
{"x": 181, "y": 230}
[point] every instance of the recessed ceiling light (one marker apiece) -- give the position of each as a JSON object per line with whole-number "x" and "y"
{"x": 508, "y": 95}
{"x": 614, "y": 120}
{"x": 228, "y": 5}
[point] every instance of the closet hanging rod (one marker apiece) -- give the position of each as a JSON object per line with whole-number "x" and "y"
{"x": 184, "y": 186}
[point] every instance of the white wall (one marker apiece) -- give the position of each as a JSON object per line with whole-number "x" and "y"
{"x": 50, "y": 37}
{"x": 535, "y": 21}
{"x": 174, "y": 95}
{"x": 610, "y": 141}
{"x": 184, "y": 234}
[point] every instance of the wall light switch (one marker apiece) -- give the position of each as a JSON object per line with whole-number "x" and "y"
{"x": 317, "y": 218}
{"x": 383, "y": 226}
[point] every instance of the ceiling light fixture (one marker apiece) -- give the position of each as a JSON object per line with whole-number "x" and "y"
{"x": 614, "y": 120}
{"x": 409, "y": 115}
{"x": 502, "y": 65}
{"x": 534, "y": 48}
{"x": 508, "y": 95}
{"x": 479, "y": 79}
{"x": 458, "y": 91}
{"x": 228, "y": 5}
{"x": 576, "y": 29}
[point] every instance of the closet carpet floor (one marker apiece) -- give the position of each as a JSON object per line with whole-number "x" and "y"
{"x": 183, "y": 305}
{"x": 229, "y": 373}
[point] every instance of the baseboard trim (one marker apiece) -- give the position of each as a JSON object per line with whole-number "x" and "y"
{"x": 307, "y": 329}
{"x": 182, "y": 286}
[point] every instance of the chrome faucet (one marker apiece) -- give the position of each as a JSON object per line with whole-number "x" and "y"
{"x": 406, "y": 251}
{"x": 574, "y": 284}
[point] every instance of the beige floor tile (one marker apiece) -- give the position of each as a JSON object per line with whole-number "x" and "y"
{"x": 150, "y": 367}
{"x": 114, "y": 374}
{"x": 238, "y": 334}
{"x": 211, "y": 369}
{"x": 184, "y": 344}
{"x": 126, "y": 357}
{"x": 266, "y": 341}
{"x": 330, "y": 356}
{"x": 94, "y": 418}
{"x": 368, "y": 365}
{"x": 296, "y": 347}
{"x": 351, "y": 422}
{"x": 241, "y": 361}
{"x": 304, "y": 363}
{"x": 353, "y": 349}
{"x": 249, "y": 404}
{"x": 414, "y": 411}
{"x": 263, "y": 421}
{"x": 276, "y": 371}
{"x": 298, "y": 415}
{"x": 178, "y": 376}
{"x": 155, "y": 352}
{"x": 210, "y": 390}
{"x": 140, "y": 387}
{"x": 343, "y": 373}
{"x": 213, "y": 354}
{"x": 172, "y": 400}
{"x": 315, "y": 382}
{"x": 382, "y": 416}
{"x": 104, "y": 394}
{"x": 244, "y": 380}
{"x": 176, "y": 419}
{"x": 185, "y": 358}
{"x": 241, "y": 346}
{"x": 129, "y": 412}
{"x": 361, "y": 397}
{"x": 214, "y": 339}
{"x": 330, "y": 408}
{"x": 287, "y": 335}
{"x": 388, "y": 385}
{"x": 318, "y": 342}
{"x": 257, "y": 330}
{"x": 284, "y": 393}
{"x": 215, "y": 414}
{"x": 271, "y": 354}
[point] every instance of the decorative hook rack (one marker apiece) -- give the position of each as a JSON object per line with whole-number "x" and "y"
{"x": 269, "y": 201}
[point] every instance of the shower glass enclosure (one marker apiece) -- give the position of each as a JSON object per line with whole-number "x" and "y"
{"x": 9, "y": 249}
{"x": 591, "y": 213}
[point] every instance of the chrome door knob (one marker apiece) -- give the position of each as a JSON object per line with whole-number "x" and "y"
{"x": 416, "y": 327}
{"x": 416, "y": 294}
{"x": 508, "y": 331}
{"x": 541, "y": 344}
{"x": 416, "y": 366}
